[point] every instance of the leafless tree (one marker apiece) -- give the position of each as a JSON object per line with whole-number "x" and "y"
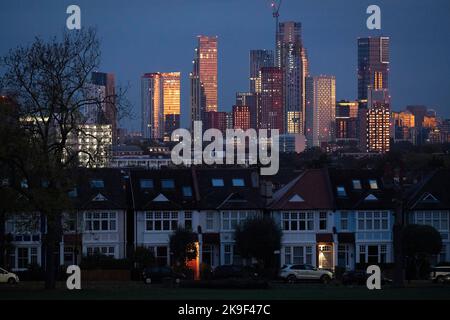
{"x": 49, "y": 83}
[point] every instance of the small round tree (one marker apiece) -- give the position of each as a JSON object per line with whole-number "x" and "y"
{"x": 258, "y": 237}
{"x": 182, "y": 246}
{"x": 419, "y": 243}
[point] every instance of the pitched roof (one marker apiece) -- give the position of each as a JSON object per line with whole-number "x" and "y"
{"x": 232, "y": 194}
{"x": 163, "y": 189}
{"x": 109, "y": 193}
{"x": 360, "y": 189}
{"x": 310, "y": 190}
{"x": 433, "y": 193}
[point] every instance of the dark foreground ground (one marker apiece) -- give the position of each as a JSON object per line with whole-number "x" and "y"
{"x": 277, "y": 291}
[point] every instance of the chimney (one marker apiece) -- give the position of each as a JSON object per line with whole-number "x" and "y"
{"x": 266, "y": 190}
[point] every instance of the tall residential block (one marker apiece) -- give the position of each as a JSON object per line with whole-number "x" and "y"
{"x": 291, "y": 58}
{"x": 270, "y": 108}
{"x": 373, "y": 65}
{"x": 320, "y": 110}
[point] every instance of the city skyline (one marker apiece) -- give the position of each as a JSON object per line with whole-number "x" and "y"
{"x": 236, "y": 42}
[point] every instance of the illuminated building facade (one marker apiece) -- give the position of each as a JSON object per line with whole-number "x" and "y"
{"x": 378, "y": 120}
{"x": 105, "y": 83}
{"x": 258, "y": 60}
{"x": 346, "y": 121}
{"x": 270, "y": 111}
{"x": 373, "y": 65}
{"x": 291, "y": 58}
{"x": 241, "y": 117}
{"x": 251, "y": 100}
{"x": 160, "y": 97}
{"x": 207, "y": 69}
{"x": 403, "y": 126}
{"x": 92, "y": 143}
{"x": 320, "y": 110}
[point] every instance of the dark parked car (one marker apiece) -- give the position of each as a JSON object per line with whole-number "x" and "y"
{"x": 235, "y": 271}
{"x": 158, "y": 274}
{"x": 359, "y": 277}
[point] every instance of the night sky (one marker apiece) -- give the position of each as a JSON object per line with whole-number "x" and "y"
{"x": 159, "y": 35}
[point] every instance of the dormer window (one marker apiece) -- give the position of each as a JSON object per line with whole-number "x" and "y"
{"x": 97, "y": 184}
{"x": 341, "y": 191}
{"x": 238, "y": 182}
{"x": 217, "y": 182}
{"x": 167, "y": 184}
{"x": 146, "y": 183}
{"x": 357, "y": 184}
{"x": 73, "y": 193}
{"x": 187, "y": 191}
{"x": 373, "y": 184}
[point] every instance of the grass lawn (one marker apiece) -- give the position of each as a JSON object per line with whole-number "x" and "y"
{"x": 277, "y": 291}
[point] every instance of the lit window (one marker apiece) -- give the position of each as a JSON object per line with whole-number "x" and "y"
{"x": 187, "y": 191}
{"x": 167, "y": 184}
{"x": 97, "y": 184}
{"x": 146, "y": 183}
{"x": 357, "y": 184}
{"x": 373, "y": 184}
{"x": 238, "y": 183}
{"x": 341, "y": 191}
{"x": 217, "y": 182}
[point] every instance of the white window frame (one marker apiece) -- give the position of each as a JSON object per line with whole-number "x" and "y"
{"x": 161, "y": 217}
{"x": 306, "y": 217}
{"x": 370, "y": 218}
{"x": 91, "y": 217}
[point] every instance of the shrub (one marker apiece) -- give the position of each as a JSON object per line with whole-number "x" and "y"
{"x": 99, "y": 261}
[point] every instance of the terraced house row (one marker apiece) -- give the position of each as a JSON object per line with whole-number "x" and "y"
{"x": 328, "y": 217}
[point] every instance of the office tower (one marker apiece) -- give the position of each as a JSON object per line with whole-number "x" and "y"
{"x": 160, "y": 94}
{"x": 250, "y": 100}
{"x": 378, "y": 116}
{"x": 270, "y": 107}
{"x": 258, "y": 60}
{"x": 403, "y": 126}
{"x": 320, "y": 110}
{"x": 346, "y": 121}
{"x": 216, "y": 120}
{"x": 105, "y": 85}
{"x": 373, "y": 65}
{"x": 292, "y": 59}
{"x": 203, "y": 78}
{"x": 241, "y": 117}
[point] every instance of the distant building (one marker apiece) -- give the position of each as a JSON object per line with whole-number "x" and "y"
{"x": 241, "y": 117}
{"x": 270, "y": 112}
{"x": 373, "y": 65}
{"x": 92, "y": 143}
{"x": 251, "y": 100}
{"x": 292, "y": 60}
{"x": 216, "y": 120}
{"x": 346, "y": 121}
{"x": 160, "y": 94}
{"x": 105, "y": 82}
{"x": 320, "y": 110}
{"x": 403, "y": 127}
{"x": 378, "y": 116}
{"x": 203, "y": 78}
{"x": 258, "y": 60}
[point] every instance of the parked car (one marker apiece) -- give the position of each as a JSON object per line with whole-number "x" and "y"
{"x": 294, "y": 272}
{"x": 235, "y": 271}
{"x": 8, "y": 277}
{"x": 158, "y": 274}
{"x": 447, "y": 278}
{"x": 438, "y": 274}
{"x": 359, "y": 277}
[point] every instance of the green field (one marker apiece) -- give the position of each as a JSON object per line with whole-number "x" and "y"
{"x": 277, "y": 291}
